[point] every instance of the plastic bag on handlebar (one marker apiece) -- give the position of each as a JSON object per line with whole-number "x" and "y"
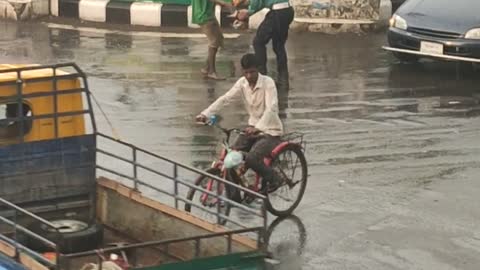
{"x": 212, "y": 120}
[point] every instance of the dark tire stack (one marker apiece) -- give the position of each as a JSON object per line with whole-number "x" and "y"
{"x": 75, "y": 236}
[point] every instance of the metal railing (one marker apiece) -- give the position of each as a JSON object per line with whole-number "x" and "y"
{"x": 174, "y": 178}
{"x": 14, "y": 241}
{"x": 164, "y": 245}
{"x": 55, "y": 77}
{"x": 21, "y": 77}
{"x": 19, "y": 97}
{"x": 171, "y": 175}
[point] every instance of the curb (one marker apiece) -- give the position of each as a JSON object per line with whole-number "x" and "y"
{"x": 133, "y": 13}
{"x": 150, "y": 14}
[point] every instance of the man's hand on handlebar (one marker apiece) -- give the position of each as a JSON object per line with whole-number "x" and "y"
{"x": 201, "y": 118}
{"x": 251, "y": 131}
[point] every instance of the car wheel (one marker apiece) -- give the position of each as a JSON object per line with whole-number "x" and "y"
{"x": 76, "y": 236}
{"x": 406, "y": 58}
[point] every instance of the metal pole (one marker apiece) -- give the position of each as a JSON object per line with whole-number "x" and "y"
{"x": 219, "y": 191}
{"x": 63, "y": 263}
{"x": 265, "y": 225}
{"x": 133, "y": 258}
{"x": 93, "y": 196}
{"x": 229, "y": 243}
{"x": 135, "y": 176}
{"x": 259, "y": 240}
{"x": 100, "y": 262}
{"x": 25, "y": 212}
{"x": 175, "y": 183}
{"x": 55, "y": 101}
{"x": 57, "y": 247}
{"x": 20, "y": 116}
{"x": 197, "y": 248}
{"x": 15, "y": 233}
{"x": 89, "y": 97}
{"x": 19, "y": 99}
{"x": 219, "y": 202}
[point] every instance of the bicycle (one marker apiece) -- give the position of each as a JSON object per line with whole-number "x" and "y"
{"x": 285, "y": 158}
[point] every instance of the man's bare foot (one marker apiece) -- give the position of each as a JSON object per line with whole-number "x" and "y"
{"x": 204, "y": 71}
{"x": 214, "y": 76}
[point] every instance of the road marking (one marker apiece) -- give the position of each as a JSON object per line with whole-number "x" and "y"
{"x": 134, "y": 33}
{"x": 332, "y": 21}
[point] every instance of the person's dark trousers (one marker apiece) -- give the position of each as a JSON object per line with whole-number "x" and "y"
{"x": 274, "y": 27}
{"x": 258, "y": 148}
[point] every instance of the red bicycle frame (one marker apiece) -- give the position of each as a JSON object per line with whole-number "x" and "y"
{"x": 256, "y": 187}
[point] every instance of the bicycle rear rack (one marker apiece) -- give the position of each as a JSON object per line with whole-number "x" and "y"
{"x": 295, "y": 137}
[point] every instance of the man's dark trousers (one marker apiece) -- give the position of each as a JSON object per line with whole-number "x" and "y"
{"x": 274, "y": 27}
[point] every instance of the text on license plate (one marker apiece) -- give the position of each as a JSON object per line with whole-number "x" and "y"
{"x": 431, "y": 47}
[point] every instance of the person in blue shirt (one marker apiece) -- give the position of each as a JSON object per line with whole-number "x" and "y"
{"x": 274, "y": 27}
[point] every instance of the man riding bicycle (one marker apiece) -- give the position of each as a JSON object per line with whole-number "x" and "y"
{"x": 259, "y": 95}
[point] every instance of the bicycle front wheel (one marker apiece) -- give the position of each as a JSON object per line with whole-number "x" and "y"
{"x": 290, "y": 162}
{"x": 206, "y": 205}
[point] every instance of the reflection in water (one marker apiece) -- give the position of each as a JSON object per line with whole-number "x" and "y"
{"x": 206, "y": 150}
{"x": 9, "y": 31}
{"x": 437, "y": 87}
{"x": 285, "y": 239}
{"x": 432, "y": 75}
{"x": 65, "y": 39}
{"x": 118, "y": 41}
{"x": 174, "y": 47}
{"x": 63, "y": 43}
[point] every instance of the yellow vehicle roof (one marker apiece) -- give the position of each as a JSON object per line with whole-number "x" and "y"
{"x": 6, "y": 77}
{"x": 26, "y": 74}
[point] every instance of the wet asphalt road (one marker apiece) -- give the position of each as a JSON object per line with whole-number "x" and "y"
{"x": 393, "y": 149}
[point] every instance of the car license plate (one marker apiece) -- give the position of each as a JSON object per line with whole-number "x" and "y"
{"x": 431, "y": 47}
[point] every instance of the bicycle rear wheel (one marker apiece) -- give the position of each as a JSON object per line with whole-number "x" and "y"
{"x": 290, "y": 162}
{"x": 208, "y": 201}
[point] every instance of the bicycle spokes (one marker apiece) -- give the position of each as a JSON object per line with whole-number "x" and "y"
{"x": 290, "y": 164}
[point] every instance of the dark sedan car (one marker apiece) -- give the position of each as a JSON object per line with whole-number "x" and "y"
{"x": 436, "y": 28}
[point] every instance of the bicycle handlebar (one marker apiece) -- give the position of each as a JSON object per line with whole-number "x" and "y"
{"x": 226, "y": 131}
